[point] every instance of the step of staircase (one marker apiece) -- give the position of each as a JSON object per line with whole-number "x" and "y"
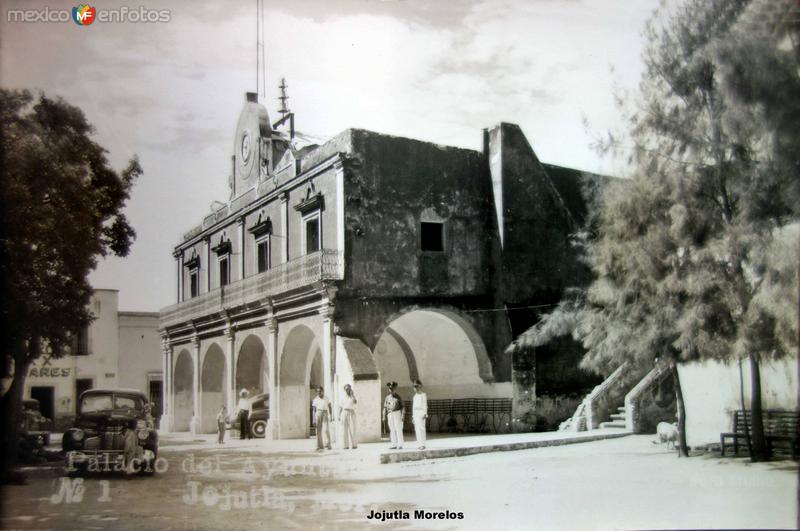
{"x": 618, "y": 416}
{"x": 621, "y": 409}
{"x": 613, "y": 424}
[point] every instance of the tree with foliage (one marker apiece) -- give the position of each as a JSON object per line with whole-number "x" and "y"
{"x": 685, "y": 257}
{"x": 61, "y": 209}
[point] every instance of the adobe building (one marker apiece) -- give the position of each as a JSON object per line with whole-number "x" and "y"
{"x": 365, "y": 260}
{"x": 117, "y": 349}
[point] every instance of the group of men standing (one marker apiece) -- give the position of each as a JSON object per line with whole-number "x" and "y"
{"x": 323, "y": 412}
{"x": 394, "y": 412}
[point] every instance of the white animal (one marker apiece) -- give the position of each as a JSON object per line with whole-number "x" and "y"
{"x": 667, "y": 433}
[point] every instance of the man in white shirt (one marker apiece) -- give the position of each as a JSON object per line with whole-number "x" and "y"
{"x": 419, "y": 413}
{"x": 393, "y": 410}
{"x": 244, "y": 407}
{"x": 347, "y": 416}
{"x": 322, "y": 415}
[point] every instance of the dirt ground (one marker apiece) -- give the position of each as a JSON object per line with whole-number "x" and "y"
{"x": 613, "y": 484}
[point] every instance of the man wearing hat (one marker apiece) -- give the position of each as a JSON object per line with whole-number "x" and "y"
{"x": 244, "y": 406}
{"x": 393, "y": 410}
{"x": 419, "y": 413}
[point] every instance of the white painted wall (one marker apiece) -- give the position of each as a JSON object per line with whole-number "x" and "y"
{"x": 711, "y": 394}
{"x": 368, "y": 394}
{"x": 139, "y": 350}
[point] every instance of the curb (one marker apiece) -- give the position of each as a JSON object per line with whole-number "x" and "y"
{"x": 419, "y": 455}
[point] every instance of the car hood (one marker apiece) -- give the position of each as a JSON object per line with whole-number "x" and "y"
{"x": 105, "y": 419}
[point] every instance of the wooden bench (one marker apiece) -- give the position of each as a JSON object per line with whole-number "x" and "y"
{"x": 781, "y": 431}
{"x": 468, "y": 415}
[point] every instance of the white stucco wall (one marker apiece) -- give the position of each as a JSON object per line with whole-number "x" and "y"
{"x": 102, "y": 363}
{"x": 368, "y": 394}
{"x": 139, "y": 350}
{"x": 711, "y": 393}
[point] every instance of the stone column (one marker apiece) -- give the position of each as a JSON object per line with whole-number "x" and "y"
{"x": 273, "y": 363}
{"x": 285, "y": 224}
{"x": 329, "y": 361}
{"x": 179, "y": 260}
{"x": 194, "y": 425}
{"x": 165, "y": 423}
{"x": 230, "y": 361}
{"x": 242, "y": 253}
{"x": 207, "y": 247}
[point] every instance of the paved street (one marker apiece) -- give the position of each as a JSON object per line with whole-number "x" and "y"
{"x": 627, "y": 482}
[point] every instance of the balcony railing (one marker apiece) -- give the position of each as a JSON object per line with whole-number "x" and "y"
{"x": 326, "y": 264}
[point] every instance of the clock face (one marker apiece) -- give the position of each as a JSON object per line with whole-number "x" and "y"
{"x": 245, "y": 147}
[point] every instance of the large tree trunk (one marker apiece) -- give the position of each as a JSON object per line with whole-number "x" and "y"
{"x": 759, "y": 443}
{"x": 9, "y": 439}
{"x": 682, "y": 446}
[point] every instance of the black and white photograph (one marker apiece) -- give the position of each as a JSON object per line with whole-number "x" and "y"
{"x": 400, "y": 264}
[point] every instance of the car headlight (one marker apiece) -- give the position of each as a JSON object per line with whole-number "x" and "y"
{"x": 142, "y": 434}
{"x": 77, "y": 435}
{"x": 140, "y": 424}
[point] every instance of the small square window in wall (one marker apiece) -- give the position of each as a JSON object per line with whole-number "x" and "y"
{"x": 432, "y": 236}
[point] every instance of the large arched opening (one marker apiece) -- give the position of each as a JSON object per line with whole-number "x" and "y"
{"x": 439, "y": 347}
{"x": 212, "y": 387}
{"x": 183, "y": 399}
{"x": 251, "y": 367}
{"x": 301, "y": 368}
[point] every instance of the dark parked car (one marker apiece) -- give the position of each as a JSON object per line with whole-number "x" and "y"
{"x": 107, "y": 420}
{"x": 34, "y": 426}
{"x": 260, "y": 415}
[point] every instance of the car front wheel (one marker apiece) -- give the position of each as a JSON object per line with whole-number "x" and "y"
{"x": 259, "y": 429}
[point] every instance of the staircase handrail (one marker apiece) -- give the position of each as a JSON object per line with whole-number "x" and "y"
{"x": 634, "y": 396}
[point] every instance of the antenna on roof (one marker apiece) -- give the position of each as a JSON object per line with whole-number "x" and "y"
{"x": 286, "y": 114}
{"x": 284, "y": 110}
{"x": 261, "y": 81}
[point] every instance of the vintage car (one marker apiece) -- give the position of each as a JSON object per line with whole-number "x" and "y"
{"x": 259, "y": 416}
{"x": 106, "y": 419}
{"x": 34, "y": 426}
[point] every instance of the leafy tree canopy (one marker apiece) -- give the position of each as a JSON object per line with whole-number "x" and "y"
{"x": 61, "y": 210}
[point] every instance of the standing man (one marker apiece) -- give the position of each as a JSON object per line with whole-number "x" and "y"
{"x": 222, "y": 420}
{"x": 393, "y": 410}
{"x": 419, "y": 413}
{"x": 244, "y": 406}
{"x": 322, "y": 415}
{"x": 347, "y": 415}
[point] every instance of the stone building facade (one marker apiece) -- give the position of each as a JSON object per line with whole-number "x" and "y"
{"x": 365, "y": 260}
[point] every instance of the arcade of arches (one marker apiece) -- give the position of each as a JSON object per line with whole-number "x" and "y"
{"x": 288, "y": 361}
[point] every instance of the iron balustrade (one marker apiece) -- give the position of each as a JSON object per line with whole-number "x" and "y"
{"x": 327, "y": 264}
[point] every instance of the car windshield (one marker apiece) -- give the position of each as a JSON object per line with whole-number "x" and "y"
{"x": 94, "y": 403}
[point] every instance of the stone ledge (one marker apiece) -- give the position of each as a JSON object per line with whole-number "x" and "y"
{"x": 439, "y": 453}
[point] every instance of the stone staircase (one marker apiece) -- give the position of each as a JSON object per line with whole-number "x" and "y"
{"x": 618, "y": 419}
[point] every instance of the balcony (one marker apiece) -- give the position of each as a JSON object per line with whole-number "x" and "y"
{"x": 326, "y": 264}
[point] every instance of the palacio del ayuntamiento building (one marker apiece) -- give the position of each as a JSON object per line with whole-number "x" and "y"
{"x": 364, "y": 260}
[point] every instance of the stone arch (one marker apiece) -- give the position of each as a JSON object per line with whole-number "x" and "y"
{"x": 438, "y": 346}
{"x": 212, "y": 387}
{"x": 251, "y": 367}
{"x": 183, "y": 399}
{"x": 300, "y": 349}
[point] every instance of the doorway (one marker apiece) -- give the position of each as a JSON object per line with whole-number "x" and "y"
{"x": 46, "y": 398}
{"x": 81, "y": 385}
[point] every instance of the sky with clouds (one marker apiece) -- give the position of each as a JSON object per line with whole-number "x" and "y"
{"x": 434, "y": 70}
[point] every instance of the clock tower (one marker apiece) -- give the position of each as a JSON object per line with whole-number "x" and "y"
{"x": 251, "y": 146}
